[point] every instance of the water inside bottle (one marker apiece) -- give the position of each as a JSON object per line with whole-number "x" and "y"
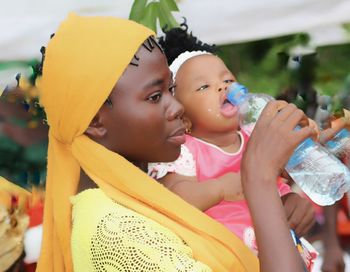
{"x": 320, "y": 176}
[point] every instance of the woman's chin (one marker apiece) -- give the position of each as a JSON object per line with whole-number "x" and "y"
{"x": 169, "y": 156}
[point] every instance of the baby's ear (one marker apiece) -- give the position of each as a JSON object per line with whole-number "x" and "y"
{"x": 188, "y": 124}
{"x": 96, "y": 129}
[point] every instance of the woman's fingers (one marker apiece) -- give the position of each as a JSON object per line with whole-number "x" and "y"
{"x": 270, "y": 111}
{"x": 274, "y": 137}
{"x": 303, "y": 133}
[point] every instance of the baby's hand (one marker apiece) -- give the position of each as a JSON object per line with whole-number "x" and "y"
{"x": 231, "y": 186}
{"x": 300, "y": 213}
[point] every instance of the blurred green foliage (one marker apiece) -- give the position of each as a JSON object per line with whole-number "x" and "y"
{"x": 23, "y": 135}
{"x": 25, "y": 166}
{"x": 333, "y": 68}
{"x": 149, "y": 13}
{"x": 263, "y": 65}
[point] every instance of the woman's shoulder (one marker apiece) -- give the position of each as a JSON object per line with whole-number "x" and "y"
{"x": 92, "y": 201}
{"x": 105, "y": 233}
{"x": 94, "y": 208}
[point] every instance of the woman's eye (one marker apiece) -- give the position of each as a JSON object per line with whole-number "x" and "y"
{"x": 229, "y": 81}
{"x": 155, "y": 97}
{"x": 203, "y": 87}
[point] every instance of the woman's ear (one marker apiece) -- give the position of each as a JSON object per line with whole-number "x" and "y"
{"x": 188, "y": 124}
{"x": 96, "y": 129}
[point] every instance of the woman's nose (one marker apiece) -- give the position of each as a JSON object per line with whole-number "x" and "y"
{"x": 175, "y": 109}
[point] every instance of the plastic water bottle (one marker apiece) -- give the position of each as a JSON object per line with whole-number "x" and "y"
{"x": 313, "y": 168}
{"x": 340, "y": 144}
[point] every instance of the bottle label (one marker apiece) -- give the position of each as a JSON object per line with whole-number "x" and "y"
{"x": 340, "y": 143}
{"x": 300, "y": 153}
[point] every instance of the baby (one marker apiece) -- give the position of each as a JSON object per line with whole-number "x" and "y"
{"x": 207, "y": 172}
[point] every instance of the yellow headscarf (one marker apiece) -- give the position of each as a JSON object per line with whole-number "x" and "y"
{"x": 83, "y": 62}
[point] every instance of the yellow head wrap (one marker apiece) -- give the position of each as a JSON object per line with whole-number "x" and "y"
{"x": 83, "y": 62}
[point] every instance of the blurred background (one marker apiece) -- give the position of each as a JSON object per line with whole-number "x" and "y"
{"x": 297, "y": 50}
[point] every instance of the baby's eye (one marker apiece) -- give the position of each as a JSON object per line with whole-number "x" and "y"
{"x": 154, "y": 98}
{"x": 172, "y": 89}
{"x": 229, "y": 81}
{"x": 203, "y": 87}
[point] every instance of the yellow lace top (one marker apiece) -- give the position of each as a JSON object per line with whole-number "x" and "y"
{"x": 106, "y": 236}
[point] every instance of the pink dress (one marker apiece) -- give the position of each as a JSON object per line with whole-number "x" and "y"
{"x": 207, "y": 161}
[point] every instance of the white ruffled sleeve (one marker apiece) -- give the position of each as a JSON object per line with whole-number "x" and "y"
{"x": 184, "y": 165}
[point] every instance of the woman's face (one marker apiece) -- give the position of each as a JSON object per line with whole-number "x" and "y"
{"x": 201, "y": 84}
{"x": 144, "y": 122}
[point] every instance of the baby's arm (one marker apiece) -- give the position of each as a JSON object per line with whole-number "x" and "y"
{"x": 204, "y": 195}
{"x": 300, "y": 213}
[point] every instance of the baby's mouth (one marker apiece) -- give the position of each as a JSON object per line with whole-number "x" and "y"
{"x": 227, "y": 109}
{"x": 225, "y": 102}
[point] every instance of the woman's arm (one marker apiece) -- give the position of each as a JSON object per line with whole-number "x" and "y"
{"x": 269, "y": 148}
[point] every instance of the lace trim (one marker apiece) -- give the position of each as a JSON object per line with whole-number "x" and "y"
{"x": 184, "y": 165}
{"x": 130, "y": 243}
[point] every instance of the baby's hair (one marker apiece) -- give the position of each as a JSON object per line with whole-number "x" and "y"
{"x": 150, "y": 43}
{"x": 177, "y": 40}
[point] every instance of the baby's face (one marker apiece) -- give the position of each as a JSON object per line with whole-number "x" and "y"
{"x": 201, "y": 84}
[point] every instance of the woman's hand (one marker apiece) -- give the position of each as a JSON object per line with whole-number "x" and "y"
{"x": 274, "y": 139}
{"x": 314, "y": 126}
{"x": 271, "y": 144}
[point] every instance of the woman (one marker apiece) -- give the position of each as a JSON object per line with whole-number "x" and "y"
{"x": 107, "y": 92}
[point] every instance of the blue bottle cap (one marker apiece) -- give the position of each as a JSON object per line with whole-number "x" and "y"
{"x": 236, "y": 93}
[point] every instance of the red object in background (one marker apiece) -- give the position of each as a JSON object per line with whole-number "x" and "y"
{"x": 35, "y": 213}
{"x": 343, "y": 226}
{"x": 30, "y": 267}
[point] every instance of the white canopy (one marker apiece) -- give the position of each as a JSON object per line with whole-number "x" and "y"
{"x": 25, "y": 25}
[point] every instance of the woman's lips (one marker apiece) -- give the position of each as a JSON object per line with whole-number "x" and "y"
{"x": 178, "y": 137}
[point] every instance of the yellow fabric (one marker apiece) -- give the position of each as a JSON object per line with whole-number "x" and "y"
{"x": 83, "y": 62}
{"x": 151, "y": 247}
